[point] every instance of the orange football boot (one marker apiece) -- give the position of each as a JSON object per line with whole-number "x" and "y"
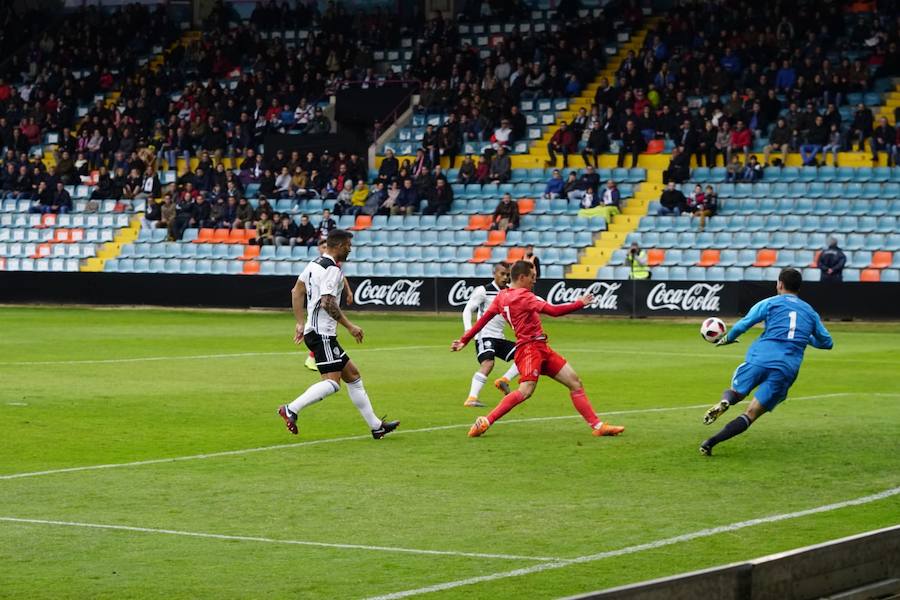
{"x": 481, "y": 425}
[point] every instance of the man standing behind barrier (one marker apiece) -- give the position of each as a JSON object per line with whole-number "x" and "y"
{"x": 831, "y": 262}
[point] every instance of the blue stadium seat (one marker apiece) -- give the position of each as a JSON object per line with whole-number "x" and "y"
{"x": 554, "y": 272}
{"x": 678, "y": 273}
{"x": 697, "y": 273}
{"x": 734, "y": 273}
{"x": 606, "y": 273}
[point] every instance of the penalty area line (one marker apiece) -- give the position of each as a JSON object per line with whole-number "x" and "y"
{"x": 687, "y": 537}
{"x": 399, "y": 432}
{"x": 266, "y": 540}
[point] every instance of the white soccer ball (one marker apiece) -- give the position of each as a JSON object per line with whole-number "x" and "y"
{"x": 713, "y": 329}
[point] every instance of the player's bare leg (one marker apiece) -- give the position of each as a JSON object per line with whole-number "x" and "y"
{"x": 569, "y": 378}
{"x": 736, "y": 427}
{"x": 478, "y": 381}
{"x": 729, "y": 398}
{"x": 510, "y": 401}
{"x": 502, "y": 384}
{"x": 360, "y": 398}
{"x": 330, "y": 384}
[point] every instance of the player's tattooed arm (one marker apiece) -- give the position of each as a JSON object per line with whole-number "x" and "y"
{"x": 330, "y": 304}
{"x": 298, "y": 300}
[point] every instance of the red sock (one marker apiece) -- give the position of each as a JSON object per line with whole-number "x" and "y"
{"x": 583, "y": 405}
{"x": 311, "y": 355}
{"x": 507, "y": 404}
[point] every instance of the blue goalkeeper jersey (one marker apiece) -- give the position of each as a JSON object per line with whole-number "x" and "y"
{"x": 790, "y": 325}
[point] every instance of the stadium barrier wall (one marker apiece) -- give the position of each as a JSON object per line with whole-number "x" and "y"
{"x": 857, "y": 567}
{"x": 620, "y": 298}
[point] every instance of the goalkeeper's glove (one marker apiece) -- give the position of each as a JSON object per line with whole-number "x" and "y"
{"x": 723, "y": 341}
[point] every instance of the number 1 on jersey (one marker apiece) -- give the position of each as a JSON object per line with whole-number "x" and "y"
{"x": 793, "y": 324}
{"x": 508, "y": 317}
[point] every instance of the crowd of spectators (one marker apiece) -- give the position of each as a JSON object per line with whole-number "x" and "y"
{"x": 708, "y": 80}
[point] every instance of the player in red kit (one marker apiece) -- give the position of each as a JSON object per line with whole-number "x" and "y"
{"x": 521, "y": 309}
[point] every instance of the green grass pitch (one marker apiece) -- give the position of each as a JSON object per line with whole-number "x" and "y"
{"x": 351, "y": 517}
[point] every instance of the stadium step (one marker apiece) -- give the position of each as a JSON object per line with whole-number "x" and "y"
{"x": 113, "y": 249}
{"x": 111, "y": 99}
{"x": 586, "y": 98}
{"x": 616, "y": 234}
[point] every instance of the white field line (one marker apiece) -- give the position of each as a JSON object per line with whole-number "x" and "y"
{"x": 139, "y": 359}
{"x": 686, "y": 537}
{"x": 265, "y": 540}
{"x": 350, "y": 438}
{"x": 300, "y": 353}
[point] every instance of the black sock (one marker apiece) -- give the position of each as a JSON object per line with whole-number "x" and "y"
{"x": 731, "y": 397}
{"x": 735, "y": 427}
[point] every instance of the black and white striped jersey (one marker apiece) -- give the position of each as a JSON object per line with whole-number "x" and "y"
{"x": 481, "y": 298}
{"x": 322, "y": 277}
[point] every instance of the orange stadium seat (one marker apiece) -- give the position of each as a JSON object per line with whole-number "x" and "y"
{"x": 655, "y": 146}
{"x": 515, "y": 254}
{"x": 815, "y": 260}
{"x": 870, "y": 275}
{"x": 482, "y": 254}
{"x": 239, "y": 236}
{"x": 765, "y": 258}
{"x": 250, "y": 252}
{"x": 881, "y": 259}
{"x": 204, "y": 236}
{"x": 655, "y": 256}
{"x": 251, "y": 267}
{"x": 495, "y": 238}
{"x": 709, "y": 258}
{"x": 526, "y": 205}
{"x": 220, "y": 236}
{"x": 48, "y": 220}
{"x": 479, "y": 222}
{"x": 362, "y": 222}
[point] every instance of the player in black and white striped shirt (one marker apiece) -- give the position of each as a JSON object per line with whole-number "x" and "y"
{"x": 491, "y": 342}
{"x": 320, "y": 287}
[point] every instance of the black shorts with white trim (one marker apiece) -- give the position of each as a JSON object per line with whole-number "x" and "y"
{"x": 329, "y": 355}
{"x": 489, "y": 348}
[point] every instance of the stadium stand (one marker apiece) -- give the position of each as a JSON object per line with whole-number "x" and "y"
{"x": 188, "y": 110}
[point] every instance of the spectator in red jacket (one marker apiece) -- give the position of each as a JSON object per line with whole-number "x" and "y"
{"x": 741, "y": 139}
{"x": 563, "y": 141}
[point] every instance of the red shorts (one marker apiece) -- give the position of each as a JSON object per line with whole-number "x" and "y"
{"x": 536, "y": 359}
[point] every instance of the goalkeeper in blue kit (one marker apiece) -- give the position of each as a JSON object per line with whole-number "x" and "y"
{"x": 773, "y": 360}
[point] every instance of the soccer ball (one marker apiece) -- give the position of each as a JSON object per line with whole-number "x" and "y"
{"x": 712, "y": 329}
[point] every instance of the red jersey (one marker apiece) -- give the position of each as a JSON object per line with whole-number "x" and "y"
{"x": 520, "y": 307}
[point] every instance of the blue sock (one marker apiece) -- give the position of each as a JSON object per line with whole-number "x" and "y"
{"x": 735, "y": 427}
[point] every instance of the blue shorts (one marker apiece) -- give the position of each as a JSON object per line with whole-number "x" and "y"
{"x": 772, "y": 385}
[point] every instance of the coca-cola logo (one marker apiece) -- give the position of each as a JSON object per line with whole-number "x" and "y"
{"x": 460, "y": 293}
{"x": 606, "y": 296}
{"x": 402, "y": 292}
{"x": 700, "y": 297}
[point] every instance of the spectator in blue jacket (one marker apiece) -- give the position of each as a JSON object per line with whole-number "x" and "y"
{"x": 554, "y": 187}
{"x": 785, "y": 77}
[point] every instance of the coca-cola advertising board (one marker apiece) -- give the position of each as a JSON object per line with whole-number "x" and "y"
{"x": 640, "y": 298}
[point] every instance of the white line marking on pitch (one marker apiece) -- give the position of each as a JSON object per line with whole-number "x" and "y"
{"x": 352, "y": 438}
{"x": 17, "y": 404}
{"x": 299, "y": 353}
{"x": 114, "y": 361}
{"x": 246, "y": 538}
{"x": 686, "y": 537}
